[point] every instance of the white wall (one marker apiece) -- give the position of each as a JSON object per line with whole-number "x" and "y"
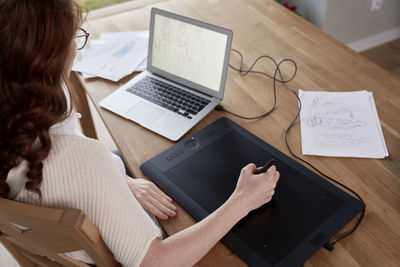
{"x": 352, "y": 21}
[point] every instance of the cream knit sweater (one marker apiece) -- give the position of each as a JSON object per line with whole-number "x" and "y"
{"x": 81, "y": 173}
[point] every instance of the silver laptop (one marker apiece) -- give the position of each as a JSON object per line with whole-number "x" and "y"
{"x": 185, "y": 78}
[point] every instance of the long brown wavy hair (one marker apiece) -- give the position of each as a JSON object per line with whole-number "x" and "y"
{"x": 36, "y": 40}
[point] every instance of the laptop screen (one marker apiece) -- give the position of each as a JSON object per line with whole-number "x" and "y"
{"x": 192, "y": 51}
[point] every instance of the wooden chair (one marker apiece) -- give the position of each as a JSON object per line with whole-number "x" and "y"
{"x": 78, "y": 95}
{"x": 47, "y": 234}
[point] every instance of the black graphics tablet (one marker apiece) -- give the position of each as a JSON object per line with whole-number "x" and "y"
{"x": 201, "y": 172}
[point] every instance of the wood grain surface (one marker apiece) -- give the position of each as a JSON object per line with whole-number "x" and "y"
{"x": 262, "y": 27}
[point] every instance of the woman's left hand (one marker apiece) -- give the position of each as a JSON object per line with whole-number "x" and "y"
{"x": 151, "y": 198}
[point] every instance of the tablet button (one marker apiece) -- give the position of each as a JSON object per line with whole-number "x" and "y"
{"x": 192, "y": 144}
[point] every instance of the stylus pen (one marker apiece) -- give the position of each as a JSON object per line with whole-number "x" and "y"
{"x": 266, "y": 166}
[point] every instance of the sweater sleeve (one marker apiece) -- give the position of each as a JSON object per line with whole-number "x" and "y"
{"x": 82, "y": 174}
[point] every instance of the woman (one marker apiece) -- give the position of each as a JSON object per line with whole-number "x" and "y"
{"x": 44, "y": 162}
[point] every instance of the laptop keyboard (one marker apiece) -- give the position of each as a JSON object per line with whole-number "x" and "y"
{"x": 169, "y": 97}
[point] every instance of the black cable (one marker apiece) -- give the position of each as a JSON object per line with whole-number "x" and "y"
{"x": 250, "y": 70}
{"x": 329, "y": 245}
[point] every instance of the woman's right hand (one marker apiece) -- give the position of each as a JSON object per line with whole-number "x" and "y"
{"x": 254, "y": 190}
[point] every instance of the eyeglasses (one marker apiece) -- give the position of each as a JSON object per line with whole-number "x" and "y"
{"x": 81, "y": 38}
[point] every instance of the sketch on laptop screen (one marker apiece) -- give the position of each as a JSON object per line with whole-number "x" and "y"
{"x": 188, "y": 51}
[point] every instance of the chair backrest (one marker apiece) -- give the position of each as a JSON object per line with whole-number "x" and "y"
{"x": 41, "y": 236}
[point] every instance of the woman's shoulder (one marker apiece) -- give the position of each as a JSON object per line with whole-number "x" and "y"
{"x": 78, "y": 145}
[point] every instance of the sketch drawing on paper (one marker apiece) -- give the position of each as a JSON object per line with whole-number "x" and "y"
{"x": 343, "y": 124}
{"x": 331, "y": 115}
{"x": 333, "y": 123}
{"x": 342, "y": 140}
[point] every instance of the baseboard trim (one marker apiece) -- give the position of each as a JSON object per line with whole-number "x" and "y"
{"x": 375, "y": 40}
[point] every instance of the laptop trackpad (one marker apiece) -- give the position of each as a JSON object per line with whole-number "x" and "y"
{"x": 143, "y": 113}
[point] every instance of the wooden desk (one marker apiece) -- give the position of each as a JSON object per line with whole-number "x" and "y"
{"x": 262, "y": 27}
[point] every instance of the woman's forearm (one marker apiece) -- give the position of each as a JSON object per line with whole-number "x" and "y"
{"x": 188, "y": 246}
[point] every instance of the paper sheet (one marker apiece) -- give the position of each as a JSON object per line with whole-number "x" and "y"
{"x": 114, "y": 55}
{"x": 341, "y": 124}
{"x": 124, "y": 35}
